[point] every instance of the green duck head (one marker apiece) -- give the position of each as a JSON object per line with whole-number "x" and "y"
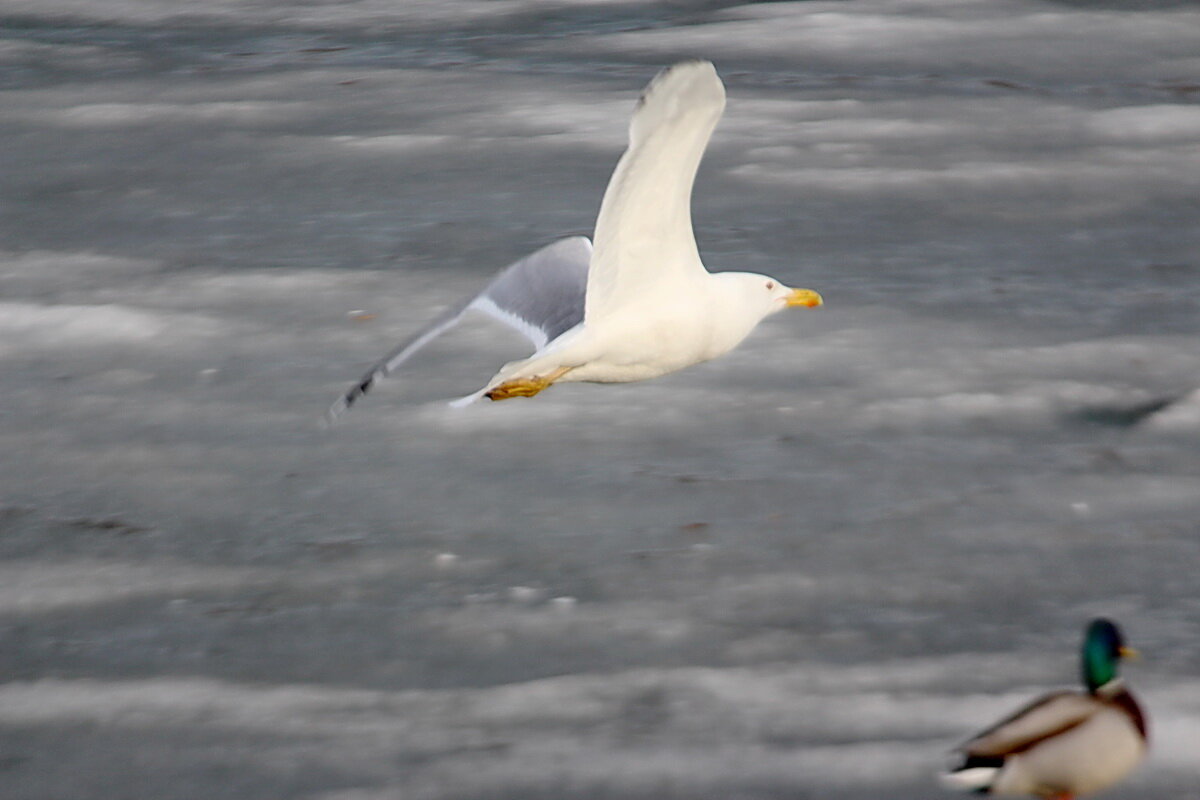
{"x": 1103, "y": 648}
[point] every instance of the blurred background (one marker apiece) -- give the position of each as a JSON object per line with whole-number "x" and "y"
{"x": 807, "y": 569}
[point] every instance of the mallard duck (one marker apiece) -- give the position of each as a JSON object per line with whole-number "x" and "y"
{"x": 1064, "y": 743}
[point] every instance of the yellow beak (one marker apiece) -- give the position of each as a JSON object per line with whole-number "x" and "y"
{"x": 1129, "y": 652}
{"x": 804, "y": 297}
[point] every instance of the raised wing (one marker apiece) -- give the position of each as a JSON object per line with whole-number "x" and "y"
{"x": 542, "y": 296}
{"x": 644, "y": 233}
{"x": 1047, "y": 716}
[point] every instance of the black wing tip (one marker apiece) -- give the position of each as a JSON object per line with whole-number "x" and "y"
{"x": 335, "y": 411}
{"x": 664, "y": 75}
{"x": 343, "y": 403}
{"x": 650, "y": 87}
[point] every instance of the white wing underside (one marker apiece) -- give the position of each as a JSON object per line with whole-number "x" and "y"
{"x": 644, "y": 241}
{"x": 541, "y": 296}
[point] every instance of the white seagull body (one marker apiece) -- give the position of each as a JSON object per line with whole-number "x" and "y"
{"x": 641, "y": 304}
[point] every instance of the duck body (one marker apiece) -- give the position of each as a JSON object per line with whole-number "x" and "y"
{"x": 1065, "y": 743}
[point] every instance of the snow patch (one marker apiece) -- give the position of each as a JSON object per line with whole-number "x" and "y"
{"x": 393, "y": 142}
{"x": 25, "y": 325}
{"x": 1147, "y": 124}
{"x": 32, "y": 588}
{"x": 121, "y": 114}
{"x": 1182, "y": 416}
{"x": 1035, "y": 404}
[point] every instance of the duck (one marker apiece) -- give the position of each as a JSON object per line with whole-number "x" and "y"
{"x": 1065, "y": 743}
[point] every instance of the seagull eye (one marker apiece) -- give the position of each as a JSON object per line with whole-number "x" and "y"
{"x": 770, "y": 285}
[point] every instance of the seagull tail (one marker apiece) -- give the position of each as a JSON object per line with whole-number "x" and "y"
{"x": 463, "y": 402}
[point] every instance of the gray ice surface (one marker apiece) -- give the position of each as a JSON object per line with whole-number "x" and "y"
{"x": 804, "y": 570}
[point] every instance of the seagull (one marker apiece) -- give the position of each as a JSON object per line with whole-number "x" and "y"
{"x": 639, "y": 303}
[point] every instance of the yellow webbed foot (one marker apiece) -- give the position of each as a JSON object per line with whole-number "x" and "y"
{"x": 525, "y": 387}
{"x": 520, "y": 387}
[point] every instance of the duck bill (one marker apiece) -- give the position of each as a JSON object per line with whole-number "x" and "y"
{"x": 1129, "y": 652}
{"x": 804, "y": 297}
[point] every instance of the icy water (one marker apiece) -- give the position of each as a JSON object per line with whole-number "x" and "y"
{"x": 805, "y": 570}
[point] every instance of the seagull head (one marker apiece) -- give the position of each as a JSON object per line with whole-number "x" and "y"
{"x": 758, "y": 296}
{"x": 774, "y": 295}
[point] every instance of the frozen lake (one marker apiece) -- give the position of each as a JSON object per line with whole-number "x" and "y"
{"x": 804, "y": 570}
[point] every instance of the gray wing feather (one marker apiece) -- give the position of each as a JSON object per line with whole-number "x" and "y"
{"x": 542, "y": 296}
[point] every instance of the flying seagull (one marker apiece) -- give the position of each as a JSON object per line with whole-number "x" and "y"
{"x": 640, "y": 303}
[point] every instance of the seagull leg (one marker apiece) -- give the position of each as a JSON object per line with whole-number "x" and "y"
{"x": 526, "y": 387}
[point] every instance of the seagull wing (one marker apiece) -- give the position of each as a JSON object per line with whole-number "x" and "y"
{"x": 541, "y": 296}
{"x": 644, "y": 240}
